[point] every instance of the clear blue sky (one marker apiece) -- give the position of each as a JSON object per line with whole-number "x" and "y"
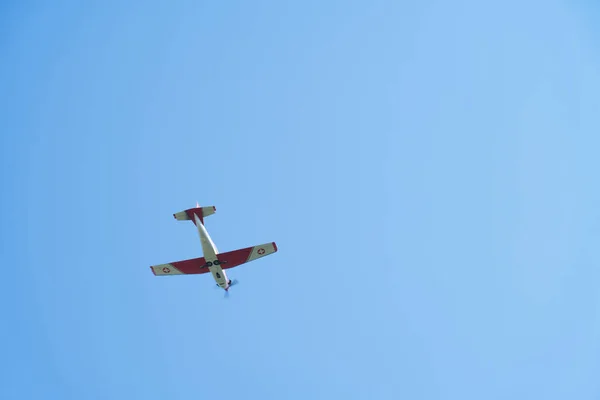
{"x": 428, "y": 169}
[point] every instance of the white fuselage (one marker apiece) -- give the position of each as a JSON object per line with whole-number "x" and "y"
{"x": 210, "y": 256}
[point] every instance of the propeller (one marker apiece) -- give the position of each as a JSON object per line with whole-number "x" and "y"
{"x": 233, "y": 282}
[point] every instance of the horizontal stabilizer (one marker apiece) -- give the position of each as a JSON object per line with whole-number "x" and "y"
{"x": 201, "y": 212}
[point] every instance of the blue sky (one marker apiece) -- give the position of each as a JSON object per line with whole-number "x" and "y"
{"x": 427, "y": 169}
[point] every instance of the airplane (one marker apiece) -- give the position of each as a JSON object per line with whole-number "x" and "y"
{"x": 214, "y": 262}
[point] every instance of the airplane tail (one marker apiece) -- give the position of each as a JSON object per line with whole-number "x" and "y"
{"x": 201, "y": 212}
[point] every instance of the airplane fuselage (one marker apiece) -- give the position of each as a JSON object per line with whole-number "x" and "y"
{"x": 210, "y": 255}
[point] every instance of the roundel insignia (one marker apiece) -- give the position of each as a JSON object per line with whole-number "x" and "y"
{"x": 166, "y": 270}
{"x": 261, "y": 251}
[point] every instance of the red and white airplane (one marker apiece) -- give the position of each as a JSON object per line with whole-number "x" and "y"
{"x": 214, "y": 262}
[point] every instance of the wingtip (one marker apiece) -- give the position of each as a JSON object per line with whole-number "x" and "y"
{"x": 275, "y": 246}
{"x": 152, "y": 269}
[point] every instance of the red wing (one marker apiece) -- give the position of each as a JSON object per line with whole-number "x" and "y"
{"x": 227, "y": 260}
{"x": 237, "y": 257}
{"x": 193, "y": 266}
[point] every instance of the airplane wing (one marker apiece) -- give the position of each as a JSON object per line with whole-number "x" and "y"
{"x": 193, "y": 266}
{"x": 241, "y": 256}
{"x": 226, "y": 260}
